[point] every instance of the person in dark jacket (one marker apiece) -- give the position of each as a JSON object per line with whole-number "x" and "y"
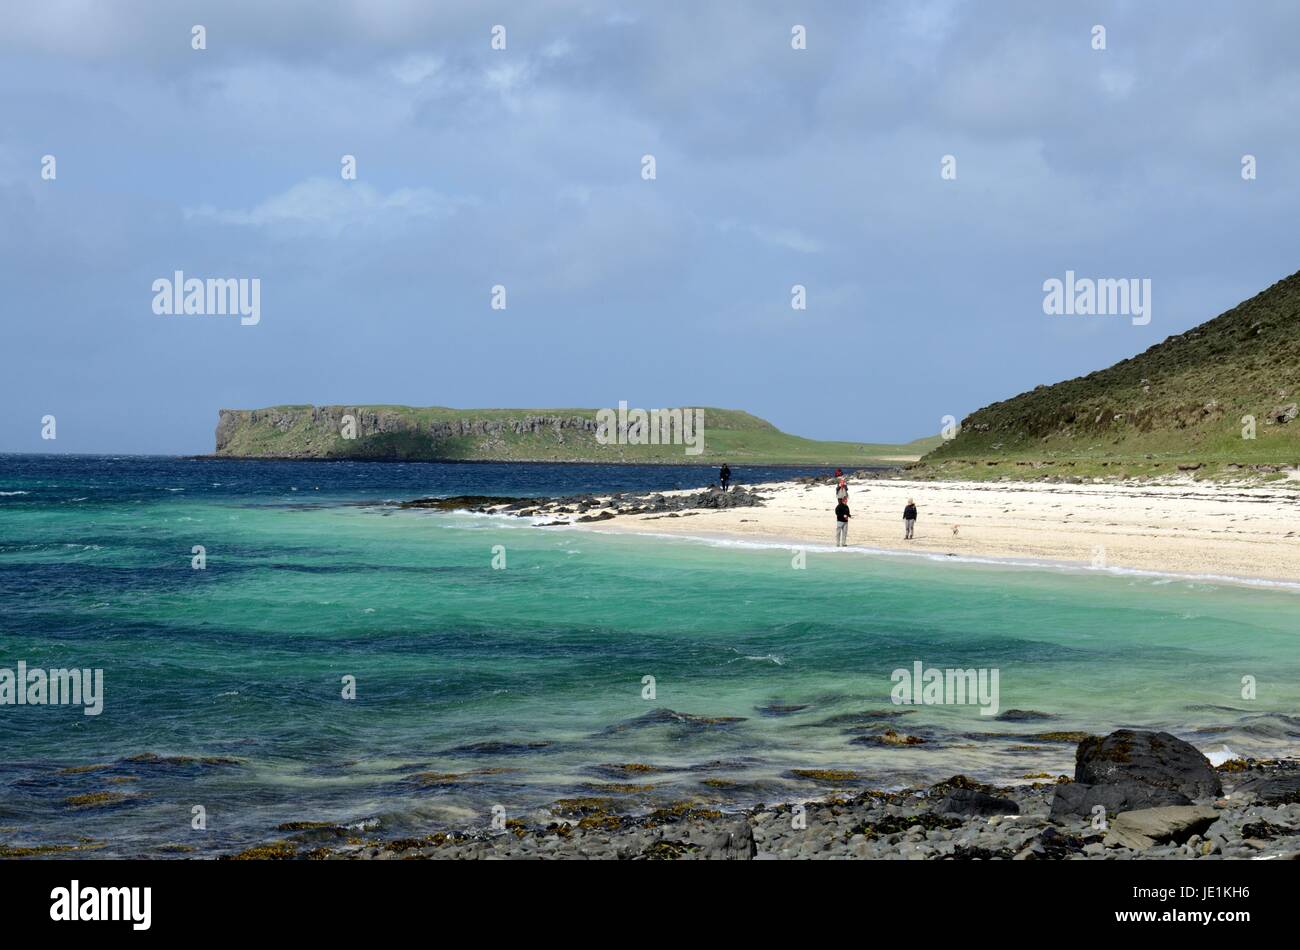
{"x": 724, "y": 475}
{"x": 909, "y": 519}
{"x": 842, "y": 517}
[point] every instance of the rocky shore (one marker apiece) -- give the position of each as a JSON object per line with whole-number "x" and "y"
{"x": 1135, "y": 795}
{"x": 577, "y": 509}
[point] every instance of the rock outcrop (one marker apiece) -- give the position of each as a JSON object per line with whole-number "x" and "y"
{"x": 1130, "y": 770}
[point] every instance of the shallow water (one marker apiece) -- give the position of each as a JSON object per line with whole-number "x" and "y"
{"x": 514, "y": 687}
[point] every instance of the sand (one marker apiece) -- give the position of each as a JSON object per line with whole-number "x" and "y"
{"x": 1190, "y": 528}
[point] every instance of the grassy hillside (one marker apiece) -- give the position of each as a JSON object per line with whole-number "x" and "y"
{"x": 1175, "y": 407}
{"x": 544, "y": 435}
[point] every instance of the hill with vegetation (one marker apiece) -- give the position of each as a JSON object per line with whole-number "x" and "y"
{"x": 520, "y": 435}
{"x": 1219, "y": 400}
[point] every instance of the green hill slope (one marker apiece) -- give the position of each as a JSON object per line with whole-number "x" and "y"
{"x": 1178, "y": 405}
{"x": 541, "y": 435}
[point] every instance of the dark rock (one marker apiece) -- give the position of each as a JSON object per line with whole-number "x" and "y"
{"x": 663, "y": 716}
{"x": 1131, "y": 770}
{"x": 734, "y": 844}
{"x": 969, "y": 801}
{"x": 466, "y": 502}
{"x": 778, "y": 709}
{"x": 1283, "y": 790}
{"x": 603, "y": 516}
{"x": 493, "y": 747}
{"x": 1156, "y": 759}
{"x": 1023, "y": 715}
{"x": 1264, "y": 830}
{"x": 1079, "y": 799}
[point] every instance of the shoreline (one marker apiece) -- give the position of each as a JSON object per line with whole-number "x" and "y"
{"x": 1254, "y": 816}
{"x": 1213, "y": 534}
{"x": 992, "y": 560}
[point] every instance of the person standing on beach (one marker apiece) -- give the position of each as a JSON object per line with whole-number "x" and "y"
{"x": 909, "y": 519}
{"x": 841, "y": 486}
{"x": 724, "y": 475}
{"x": 842, "y": 517}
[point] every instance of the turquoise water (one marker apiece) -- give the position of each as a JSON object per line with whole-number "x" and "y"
{"x": 526, "y": 683}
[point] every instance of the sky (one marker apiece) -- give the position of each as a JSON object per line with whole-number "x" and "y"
{"x": 523, "y": 167}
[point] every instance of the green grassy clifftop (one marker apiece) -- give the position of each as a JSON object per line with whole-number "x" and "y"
{"x": 540, "y": 435}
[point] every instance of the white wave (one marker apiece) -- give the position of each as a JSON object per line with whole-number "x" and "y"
{"x": 767, "y": 658}
{"x": 14, "y": 493}
{"x": 1218, "y": 756}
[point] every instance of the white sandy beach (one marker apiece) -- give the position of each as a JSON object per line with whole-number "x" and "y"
{"x": 1183, "y": 528}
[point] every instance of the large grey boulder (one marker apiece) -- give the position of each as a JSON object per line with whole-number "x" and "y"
{"x": 1151, "y": 826}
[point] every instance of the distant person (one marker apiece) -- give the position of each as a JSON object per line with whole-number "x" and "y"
{"x": 724, "y": 476}
{"x": 909, "y": 519}
{"x": 842, "y": 517}
{"x": 841, "y": 486}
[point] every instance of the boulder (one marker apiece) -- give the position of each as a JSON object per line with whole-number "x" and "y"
{"x": 1130, "y": 770}
{"x": 969, "y": 801}
{"x": 1157, "y": 759}
{"x": 1080, "y": 799}
{"x": 1282, "y": 790}
{"x": 1151, "y": 826}
{"x": 734, "y": 844}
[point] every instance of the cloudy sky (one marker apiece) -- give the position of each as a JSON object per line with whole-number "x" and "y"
{"x": 523, "y": 167}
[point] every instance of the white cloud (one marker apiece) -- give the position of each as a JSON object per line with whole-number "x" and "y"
{"x": 322, "y": 206}
{"x": 416, "y": 69}
{"x": 788, "y": 239}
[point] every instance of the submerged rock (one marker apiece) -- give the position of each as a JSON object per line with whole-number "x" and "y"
{"x": 662, "y": 716}
{"x": 492, "y": 747}
{"x": 779, "y": 709}
{"x": 1023, "y": 715}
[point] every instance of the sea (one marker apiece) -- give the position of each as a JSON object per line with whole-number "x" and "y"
{"x": 282, "y": 646}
